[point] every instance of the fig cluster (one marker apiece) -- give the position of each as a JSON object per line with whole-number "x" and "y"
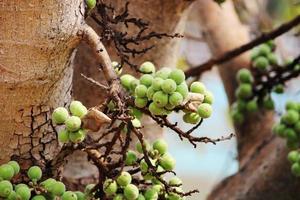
{"x": 72, "y": 131}
{"x": 145, "y": 185}
{"x": 289, "y": 128}
{"x": 263, "y": 60}
{"x": 165, "y": 91}
{"x": 35, "y": 188}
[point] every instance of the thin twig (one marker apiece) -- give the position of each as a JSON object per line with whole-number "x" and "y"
{"x": 95, "y": 82}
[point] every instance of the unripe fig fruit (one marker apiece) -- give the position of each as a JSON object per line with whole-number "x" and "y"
{"x": 175, "y": 99}
{"x": 150, "y": 93}
{"x": 252, "y": 106}
{"x": 279, "y": 129}
{"x": 293, "y": 156}
{"x": 155, "y": 110}
{"x": 139, "y": 148}
{"x": 60, "y": 115}
{"x": 73, "y": 123}
{"x": 177, "y": 75}
{"x": 131, "y": 158}
{"x": 119, "y": 197}
{"x": 264, "y": 50}
{"x": 191, "y": 118}
{"x": 163, "y": 73}
{"x": 77, "y": 109}
{"x": 15, "y": 166}
{"x": 131, "y": 192}
{"x": 272, "y": 59}
{"x": 63, "y": 136}
{"x": 58, "y": 188}
{"x": 161, "y": 146}
{"x": 110, "y": 187}
{"x": 140, "y": 102}
{"x": 279, "y": 89}
{"x": 168, "y": 86}
{"x": 244, "y": 91}
{"x": 141, "y": 197}
{"x": 290, "y": 134}
{"x": 296, "y": 169}
{"x": 197, "y": 87}
{"x": 69, "y": 196}
{"x": 167, "y": 162}
{"x": 175, "y": 181}
{"x": 151, "y": 194}
{"x": 261, "y": 63}
{"x": 146, "y": 80}
{"x": 78, "y": 136}
{"x": 23, "y": 192}
{"x": 208, "y": 97}
{"x": 183, "y": 90}
{"x": 237, "y": 116}
{"x": 136, "y": 123}
{"x": 7, "y": 172}
{"x": 147, "y": 68}
{"x": 124, "y": 179}
{"x": 126, "y": 80}
{"x": 268, "y": 103}
{"x": 204, "y": 110}
{"x": 244, "y": 76}
{"x": 290, "y": 105}
{"x": 290, "y": 117}
{"x": 80, "y": 195}
{"x": 141, "y": 91}
{"x": 160, "y": 99}
{"x": 133, "y": 84}
{"x": 157, "y": 83}
{"x": 34, "y": 173}
{"x": 5, "y": 188}
{"x": 38, "y": 197}
{"x": 90, "y": 4}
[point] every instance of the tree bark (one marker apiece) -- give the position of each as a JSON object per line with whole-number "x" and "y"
{"x": 264, "y": 170}
{"x": 37, "y": 42}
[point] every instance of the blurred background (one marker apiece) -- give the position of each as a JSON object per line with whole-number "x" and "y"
{"x": 204, "y": 167}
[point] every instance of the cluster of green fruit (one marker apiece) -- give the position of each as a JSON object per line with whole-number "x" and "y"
{"x": 263, "y": 60}
{"x": 163, "y": 91}
{"x": 124, "y": 186}
{"x": 289, "y": 125}
{"x": 263, "y": 57}
{"x": 72, "y": 131}
{"x": 35, "y": 190}
{"x": 289, "y": 128}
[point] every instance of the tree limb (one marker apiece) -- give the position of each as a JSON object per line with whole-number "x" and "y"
{"x": 195, "y": 71}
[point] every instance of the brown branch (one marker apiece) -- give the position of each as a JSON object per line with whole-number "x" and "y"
{"x": 94, "y": 41}
{"x": 195, "y": 71}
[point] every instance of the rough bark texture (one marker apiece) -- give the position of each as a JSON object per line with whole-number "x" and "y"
{"x": 264, "y": 172}
{"x": 37, "y": 40}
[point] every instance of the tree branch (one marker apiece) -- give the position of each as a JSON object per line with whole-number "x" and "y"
{"x": 195, "y": 71}
{"x": 94, "y": 41}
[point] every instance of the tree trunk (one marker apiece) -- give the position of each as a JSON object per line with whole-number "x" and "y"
{"x": 264, "y": 172}
{"x": 37, "y": 41}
